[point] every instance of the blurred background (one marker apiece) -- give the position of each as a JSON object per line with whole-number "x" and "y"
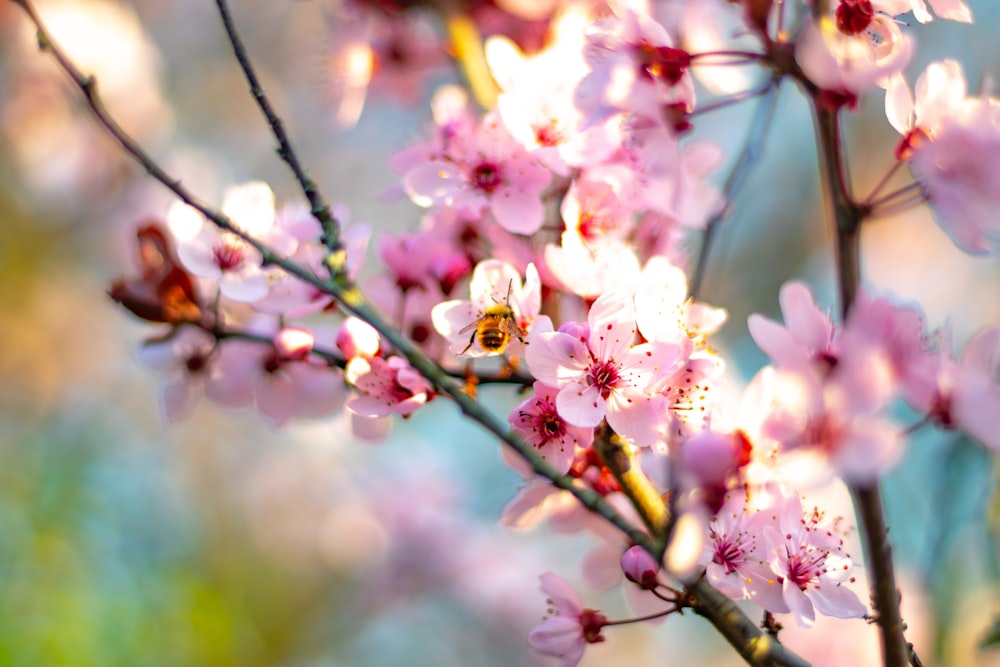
{"x": 220, "y": 541}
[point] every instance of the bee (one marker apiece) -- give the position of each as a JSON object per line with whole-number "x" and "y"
{"x": 495, "y": 327}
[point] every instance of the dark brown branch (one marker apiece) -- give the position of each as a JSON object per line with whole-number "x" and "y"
{"x": 749, "y": 155}
{"x": 847, "y": 217}
{"x": 320, "y": 208}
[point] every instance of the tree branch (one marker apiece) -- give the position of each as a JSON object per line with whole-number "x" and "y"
{"x": 847, "y": 216}
{"x": 320, "y": 208}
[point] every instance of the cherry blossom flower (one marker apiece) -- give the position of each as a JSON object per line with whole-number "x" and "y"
{"x": 387, "y": 54}
{"x": 210, "y": 253}
{"x": 847, "y": 57}
{"x": 899, "y": 331}
{"x": 423, "y": 258}
{"x": 966, "y": 394}
{"x": 187, "y": 355}
{"x": 734, "y": 555}
{"x": 809, "y": 558}
{"x": 386, "y": 386}
{"x": 951, "y": 142}
{"x": 836, "y": 420}
{"x": 635, "y": 68}
{"x": 538, "y": 421}
{"x": 601, "y": 373}
{"x": 489, "y": 287}
{"x": 536, "y": 102}
{"x": 640, "y": 568}
{"x": 591, "y": 269}
{"x": 282, "y": 380}
{"x": 806, "y": 336}
{"x": 485, "y": 170}
{"x": 357, "y": 338}
{"x": 565, "y": 633}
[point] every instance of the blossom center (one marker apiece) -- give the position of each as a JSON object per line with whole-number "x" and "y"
{"x": 803, "y": 569}
{"x": 486, "y": 176}
{"x": 604, "y": 375}
{"x": 662, "y": 62}
{"x": 591, "y": 623}
{"x": 548, "y": 135}
{"x": 196, "y": 363}
{"x": 854, "y": 16}
{"x": 228, "y": 255}
{"x": 728, "y": 554}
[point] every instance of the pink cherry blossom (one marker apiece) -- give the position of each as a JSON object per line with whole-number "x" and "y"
{"x": 635, "y": 68}
{"x": 384, "y": 54}
{"x": 845, "y": 60}
{"x": 486, "y": 170}
{"x": 806, "y": 336}
{"x": 604, "y": 374}
{"x": 210, "y": 253}
{"x": 837, "y": 420}
{"x": 591, "y": 269}
{"x": 569, "y": 627}
{"x": 538, "y": 421}
{"x": 282, "y": 380}
{"x": 951, "y": 142}
{"x": 808, "y": 556}
{"x": 967, "y": 394}
{"x": 536, "y": 102}
{"x": 734, "y": 555}
{"x": 385, "y": 386}
{"x": 187, "y": 357}
{"x": 594, "y": 211}
{"x": 640, "y": 568}
{"x": 357, "y": 338}
{"x": 900, "y": 332}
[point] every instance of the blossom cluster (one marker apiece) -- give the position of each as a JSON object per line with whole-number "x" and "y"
{"x": 562, "y": 215}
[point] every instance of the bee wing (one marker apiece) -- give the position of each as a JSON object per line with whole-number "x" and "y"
{"x": 510, "y": 327}
{"x": 472, "y": 325}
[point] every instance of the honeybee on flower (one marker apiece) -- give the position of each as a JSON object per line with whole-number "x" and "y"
{"x": 500, "y": 313}
{"x": 495, "y": 328}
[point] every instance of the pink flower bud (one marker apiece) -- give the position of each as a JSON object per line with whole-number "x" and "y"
{"x": 357, "y": 339}
{"x": 640, "y": 568}
{"x": 293, "y": 342}
{"x": 710, "y": 457}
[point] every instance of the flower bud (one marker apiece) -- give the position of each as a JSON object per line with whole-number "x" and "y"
{"x": 640, "y": 568}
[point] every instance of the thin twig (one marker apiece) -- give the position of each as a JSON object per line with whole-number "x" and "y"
{"x": 729, "y": 100}
{"x": 870, "y": 199}
{"x": 906, "y": 190}
{"x": 320, "y": 208}
{"x": 737, "y": 176}
{"x": 338, "y": 360}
